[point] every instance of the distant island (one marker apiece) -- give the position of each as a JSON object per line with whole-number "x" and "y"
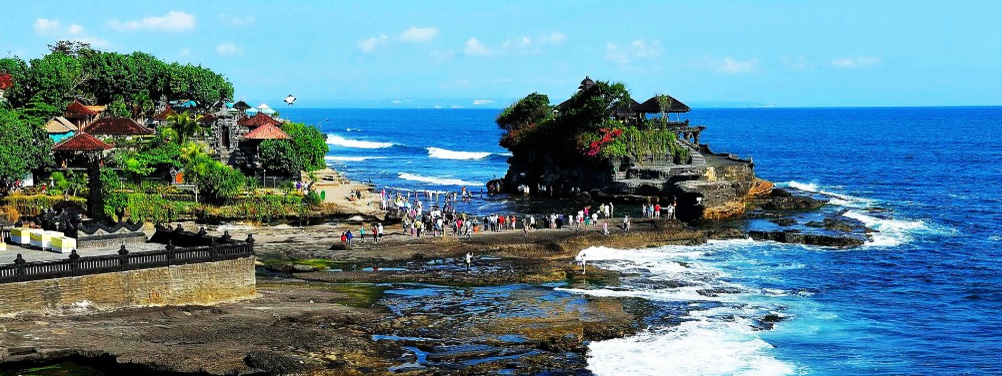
{"x": 602, "y": 145}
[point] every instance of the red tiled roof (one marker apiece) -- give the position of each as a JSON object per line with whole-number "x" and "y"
{"x": 82, "y": 142}
{"x": 164, "y": 114}
{"x": 267, "y": 132}
{"x": 116, "y": 126}
{"x": 258, "y": 120}
{"x": 6, "y": 81}
{"x": 208, "y": 118}
{"x": 77, "y": 109}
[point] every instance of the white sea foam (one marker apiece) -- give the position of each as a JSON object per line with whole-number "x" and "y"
{"x": 720, "y": 340}
{"x": 439, "y": 153}
{"x": 336, "y": 140}
{"x": 833, "y": 197}
{"x": 436, "y": 180}
{"x": 334, "y": 158}
{"x": 892, "y": 232}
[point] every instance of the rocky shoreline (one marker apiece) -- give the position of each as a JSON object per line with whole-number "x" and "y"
{"x": 405, "y": 305}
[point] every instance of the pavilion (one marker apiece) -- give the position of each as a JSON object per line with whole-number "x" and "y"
{"x": 81, "y": 114}
{"x": 59, "y": 128}
{"x": 116, "y": 127}
{"x": 86, "y": 152}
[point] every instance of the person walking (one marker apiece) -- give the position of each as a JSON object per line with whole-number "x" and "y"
{"x": 469, "y": 261}
{"x": 626, "y": 223}
{"x": 605, "y": 227}
{"x": 348, "y": 235}
{"x": 583, "y": 257}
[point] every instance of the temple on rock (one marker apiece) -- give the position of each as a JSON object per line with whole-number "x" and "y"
{"x": 622, "y": 150}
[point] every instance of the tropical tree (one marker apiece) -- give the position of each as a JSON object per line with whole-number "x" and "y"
{"x": 309, "y": 145}
{"x": 186, "y": 126}
{"x": 591, "y": 107}
{"x": 280, "y": 157}
{"x": 24, "y": 148}
{"x": 532, "y": 109}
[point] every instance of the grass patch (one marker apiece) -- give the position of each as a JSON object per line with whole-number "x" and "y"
{"x": 360, "y": 295}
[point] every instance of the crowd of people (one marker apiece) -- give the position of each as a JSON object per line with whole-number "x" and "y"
{"x": 430, "y": 213}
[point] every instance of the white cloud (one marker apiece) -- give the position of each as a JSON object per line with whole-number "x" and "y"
{"x": 638, "y": 49}
{"x": 75, "y": 29}
{"x": 476, "y": 47}
{"x": 369, "y": 45}
{"x": 229, "y": 49}
{"x": 74, "y": 32}
{"x": 92, "y": 41}
{"x": 418, "y": 34}
{"x": 185, "y": 52}
{"x": 731, "y": 65}
{"x": 236, "y": 20}
{"x": 172, "y": 21}
{"x": 46, "y": 26}
{"x": 856, "y": 62}
{"x": 478, "y": 102}
{"x": 554, "y": 37}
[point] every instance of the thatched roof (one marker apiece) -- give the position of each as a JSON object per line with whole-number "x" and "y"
{"x": 627, "y": 109}
{"x": 241, "y": 105}
{"x": 258, "y": 120}
{"x": 267, "y": 132}
{"x": 651, "y": 106}
{"x": 587, "y": 82}
{"x": 82, "y": 142}
{"x": 59, "y": 124}
{"x": 116, "y": 126}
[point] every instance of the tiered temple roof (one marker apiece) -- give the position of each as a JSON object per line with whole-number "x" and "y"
{"x": 163, "y": 115}
{"x": 267, "y": 132}
{"x": 82, "y": 142}
{"x": 77, "y": 110}
{"x": 116, "y": 126}
{"x": 258, "y": 120}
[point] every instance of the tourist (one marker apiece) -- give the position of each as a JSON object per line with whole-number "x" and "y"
{"x": 381, "y": 231}
{"x": 605, "y": 228}
{"x": 348, "y": 235}
{"x": 657, "y": 210}
{"x": 671, "y": 212}
{"x": 626, "y": 223}
{"x": 469, "y": 261}
{"x": 344, "y": 239}
{"x": 582, "y": 256}
{"x": 361, "y": 233}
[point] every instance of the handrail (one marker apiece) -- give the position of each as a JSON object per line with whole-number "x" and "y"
{"x": 75, "y": 265}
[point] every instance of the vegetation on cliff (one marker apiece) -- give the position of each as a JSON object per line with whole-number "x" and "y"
{"x": 585, "y": 127}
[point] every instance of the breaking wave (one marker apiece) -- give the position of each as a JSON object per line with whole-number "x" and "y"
{"x": 436, "y": 180}
{"x": 833, "y": 197}
{"x": 349, "y": 143}
{"x": 333, "y": 158}
{"x": 439, "y": 153}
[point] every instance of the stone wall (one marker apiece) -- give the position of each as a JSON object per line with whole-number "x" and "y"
{"x": 198, "y": 283}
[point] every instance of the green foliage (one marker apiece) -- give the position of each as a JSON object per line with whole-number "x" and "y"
{"x": 531, "y": 110}
{"x": 115, "y": 200}
{"x": 186, "y": 127}
{"x": 131, "y": 83}
{"x": 312, "y": 198}
{"x": 638, "y": 142}
{"x": 24, "y": 147}
{"x": 54, "y": 79}
{"x": 588, "y": 109}
{"x": 157, "y": 209}
{"x": 280, "y": 158}
{"x": 309, "y": 144}
{"x": 33, "y": 205}
{"x": 215, "y": 181}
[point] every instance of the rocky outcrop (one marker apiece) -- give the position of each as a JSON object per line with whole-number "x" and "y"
{"x": 823, "y": 240}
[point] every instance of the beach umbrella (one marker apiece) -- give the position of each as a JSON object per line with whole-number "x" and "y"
{"x": 290, "y": 99}
{"x": 251, "y": 111}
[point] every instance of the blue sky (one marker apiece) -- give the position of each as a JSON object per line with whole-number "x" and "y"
{"x": 486, "y": 53}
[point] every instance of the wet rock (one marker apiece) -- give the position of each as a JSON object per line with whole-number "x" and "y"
{"x": 726, "y": 233}
{"x": 281, "y": 364}
{"x": 793, "y": 203}
{"x": 717, "y": 291}
{"x": 839, "y": 223}
{"x": 784, "y": 221}
{"x": 837, "y": 241}
{"x": 780, "y": 192}
{"x": 564, "y": 343}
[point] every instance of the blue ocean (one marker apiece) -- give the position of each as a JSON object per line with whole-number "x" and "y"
{"x": 924, "y": 296}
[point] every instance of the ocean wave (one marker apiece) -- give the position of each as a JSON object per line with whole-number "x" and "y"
{"x": 713, "y": 338}
{"x": 893, "y": 232}
{"x": 334, "y": 158}
{"x": 439, "y": 153}
{"x": 834, "y": 198}
{"x": 436, "y": 180}
{"x": 336, "y": 140}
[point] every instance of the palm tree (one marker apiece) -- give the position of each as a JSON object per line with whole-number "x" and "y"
{"x": 186, "y": 126}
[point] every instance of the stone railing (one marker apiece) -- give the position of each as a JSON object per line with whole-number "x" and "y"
{"x": 218, "y": 249}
